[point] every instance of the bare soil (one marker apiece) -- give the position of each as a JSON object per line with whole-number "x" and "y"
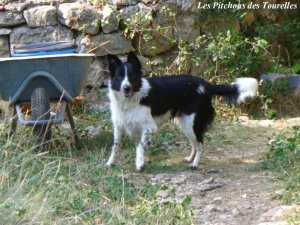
{"x": 230, "y": 187}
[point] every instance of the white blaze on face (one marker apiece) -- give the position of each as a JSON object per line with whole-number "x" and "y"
{"x": 125, "y": 83}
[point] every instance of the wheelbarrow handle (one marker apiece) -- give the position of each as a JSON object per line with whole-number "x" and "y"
{"x": 82, "y": 48}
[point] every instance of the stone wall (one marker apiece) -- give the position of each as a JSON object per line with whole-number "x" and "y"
{"x": 102, "y": 28}
{"x": 99, "y": 26}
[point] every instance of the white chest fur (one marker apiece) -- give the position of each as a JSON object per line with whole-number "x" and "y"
{"x": 129, "y": 115}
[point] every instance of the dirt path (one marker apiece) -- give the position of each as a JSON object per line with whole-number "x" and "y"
{"x": 229, "y": 187}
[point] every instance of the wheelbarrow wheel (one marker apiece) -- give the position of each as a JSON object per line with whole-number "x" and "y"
{"x": 40, "y": 110}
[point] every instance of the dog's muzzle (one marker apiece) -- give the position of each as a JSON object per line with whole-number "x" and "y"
{"x": 127, "y": 91}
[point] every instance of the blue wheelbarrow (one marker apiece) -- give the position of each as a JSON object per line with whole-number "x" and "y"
{"x": 38, "y": 74}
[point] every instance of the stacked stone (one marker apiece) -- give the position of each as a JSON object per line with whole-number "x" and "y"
{"x": 26, "y": 21}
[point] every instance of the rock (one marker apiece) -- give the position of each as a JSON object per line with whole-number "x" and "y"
{"x": 210, "y": 208}
{"x": 293, "y": 80}
{"x": 221, "y": 209}
{"x": 145, "y": 15}
{"x": 65, "y": 125}
{"x": 25, "y": 35}
{"x": 168, "y": 63}
{"x": 103, "y": 44}
{"x": 149, "y": 1}
{"x": 140, "y": 15}
{"x": 9, "y": 18}
{"x": 4, "y": 47}
{"x": 147, "y": 68}
{"x": 245, "y": 196}
{"x": 235, "y": 212}
{"x": 276, "y": 214}
{"x": 16, "y": 6}
{"x": 202, "y": 218}
{"x": 249, "y": 18}
{"x": 128, "y": 11}
{"x": 99, "y": 108}
{"x": 5, "y": 31}
{"x": 225, "y": 217}
{"x": 187, "y": 27}
{"x": 165, "y": 14}
{"x": 213, "y": 24}
{"x": 41, "y": 16}
{"x": 97, "y": 73}
{"x": 209, "y": 184}
{"x": 243, "y": 120}
{"x": 79, "y": 17}
{"x": 187, "y": 5}
{"x": 201, "y": 65}
{"x": 179, "y": 180}
{"x": 157, "y": 43}
{"x": 162, "y": 177}
{"x": 271, "y": 16}
{"x": 162, "y": 194}
{"x": 124, "y": 3}
{"x": 109, "y": 21}
{"x": 93, "y": 131}
{"x": 217, "y": 201}
{"x": 275, "y": 223}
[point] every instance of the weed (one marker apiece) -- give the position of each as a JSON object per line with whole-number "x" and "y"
{"x": 284, "y": 150}
{"x": 71, "y": 186}
{"x": 284, "y": 158}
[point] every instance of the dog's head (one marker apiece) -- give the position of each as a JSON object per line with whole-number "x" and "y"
{"x": 126, "y": 77}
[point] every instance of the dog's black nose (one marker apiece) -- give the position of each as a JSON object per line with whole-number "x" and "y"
{"x": 127, "y": 88}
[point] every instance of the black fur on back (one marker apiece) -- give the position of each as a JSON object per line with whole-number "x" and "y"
{"x": 179, "y": 94}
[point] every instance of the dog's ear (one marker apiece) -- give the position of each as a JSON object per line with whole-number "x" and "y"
{"x": 113, "y": 63}
{"x": 133, "y": 59}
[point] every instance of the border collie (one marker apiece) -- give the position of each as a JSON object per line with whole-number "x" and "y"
{"x": 139, "y": 106}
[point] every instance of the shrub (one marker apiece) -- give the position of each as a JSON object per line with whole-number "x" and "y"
{"x": 284, "y": 150}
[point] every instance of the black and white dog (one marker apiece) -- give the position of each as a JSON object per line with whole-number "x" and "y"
{"x": 139, "y": 106}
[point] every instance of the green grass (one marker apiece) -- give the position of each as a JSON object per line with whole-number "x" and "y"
{"x": 71, "y": 186}
{"x": 284, "y": 158}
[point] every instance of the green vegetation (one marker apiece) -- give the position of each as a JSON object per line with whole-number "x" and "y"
{"x": 231, "y": 47}
{"x": 284, "y": 150}
{"x": 284, "y": 159}
{"x": 70, "y": 186}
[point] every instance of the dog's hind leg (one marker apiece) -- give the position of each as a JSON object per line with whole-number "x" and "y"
{"x": 186, "y": 122}
{"x": 118, "y": 136}
{"x": 141, "y": 147}
{"x": 193, "y": 152}
{"x": 197, "y": 158}
{"x": 201, "y": 121}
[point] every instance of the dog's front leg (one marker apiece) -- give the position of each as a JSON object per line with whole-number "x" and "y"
{"x": 141, "y": 147}
{"x": 118, "y": 136}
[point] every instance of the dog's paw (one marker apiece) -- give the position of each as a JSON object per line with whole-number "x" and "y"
{"x": 139, "y": 161}
{"x": 108, "y": 165}
{"x": 139, "y": 166}
{"x": 187, "y": 159}
{"x": 193, "y": 167}
{"x": 140, "y": 169}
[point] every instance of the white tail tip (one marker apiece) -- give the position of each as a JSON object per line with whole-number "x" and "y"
{"x": 247, "y": 88}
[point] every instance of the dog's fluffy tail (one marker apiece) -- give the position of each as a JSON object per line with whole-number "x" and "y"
{"x": 238, "y": 91}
